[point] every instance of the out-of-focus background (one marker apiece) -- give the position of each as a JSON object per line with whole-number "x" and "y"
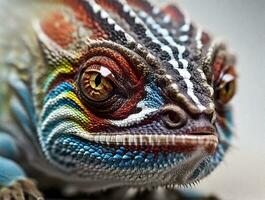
{"x": 241, "y": 23}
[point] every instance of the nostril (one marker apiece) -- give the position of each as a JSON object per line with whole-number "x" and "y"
{"x": 174, "y": 117}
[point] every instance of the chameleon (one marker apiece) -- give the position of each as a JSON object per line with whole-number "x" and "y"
{"x": 112, "y": 93}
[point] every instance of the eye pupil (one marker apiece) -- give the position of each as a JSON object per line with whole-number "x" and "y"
{"x": 227, "y": 87}
{"x": 98, "y": 80}
{"x": 227, "y": 92}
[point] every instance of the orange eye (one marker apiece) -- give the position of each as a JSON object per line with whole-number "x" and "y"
{"x": 95, "y": 85}
{"x": 227, "y": 89}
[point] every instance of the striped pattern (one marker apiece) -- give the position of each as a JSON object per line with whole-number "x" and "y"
{"x": 170, "y": 41}
{"x": 160, "y": 54}
{"x": 167, "y": 42}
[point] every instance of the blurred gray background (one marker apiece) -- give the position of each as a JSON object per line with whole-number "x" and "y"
{"x": 241, "y": 23}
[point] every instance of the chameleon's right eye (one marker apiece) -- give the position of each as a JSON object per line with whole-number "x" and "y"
{"x": 107, "y": 80}
{"x": 96, "y": 83}
{"x": 226, "y": 86}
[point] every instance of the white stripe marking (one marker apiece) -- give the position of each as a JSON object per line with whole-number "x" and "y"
{"x": 183, "y": 72}
{"x": 105, "y": 15}
{"x": 198, "y": 38}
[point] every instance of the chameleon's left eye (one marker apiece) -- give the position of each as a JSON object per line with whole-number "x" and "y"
{"x": 95, "y": 83}
{"x": 227, "y": 87}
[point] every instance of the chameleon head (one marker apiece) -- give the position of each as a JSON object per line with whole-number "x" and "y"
{"x": 131, "y": 94}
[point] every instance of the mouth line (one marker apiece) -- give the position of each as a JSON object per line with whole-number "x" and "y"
{"x": 204, "y": 139}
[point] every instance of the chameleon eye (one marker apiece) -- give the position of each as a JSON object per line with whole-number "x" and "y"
{"x": 95, "y": 84}
{"x": 227, "y": 87}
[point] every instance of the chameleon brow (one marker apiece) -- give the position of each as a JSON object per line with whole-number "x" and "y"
{"x": 135, "y": 22}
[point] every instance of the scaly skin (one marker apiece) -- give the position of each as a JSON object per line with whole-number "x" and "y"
{"x": 118, "y": 93}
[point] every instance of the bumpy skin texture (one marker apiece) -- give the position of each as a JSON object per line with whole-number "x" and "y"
{"x": 122, "y": 93}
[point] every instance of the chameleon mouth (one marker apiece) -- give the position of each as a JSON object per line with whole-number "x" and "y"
{"x": 206, "y": 140}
